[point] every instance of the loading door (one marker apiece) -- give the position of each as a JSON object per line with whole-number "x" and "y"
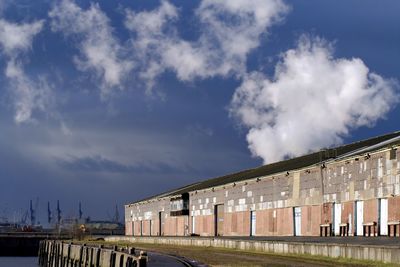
{"x": 297, "y": 221}
{"x": 193, "y": 224}
{"x": 359, "y": 218}
{"x": 150, "y": 226}
{"x": 160, "y": 223}
{"x": 383, "y": 216}
{"x": 133, "y": 228}
{"x": 337, "y": 218}
{"x": 219, "y": 220}
{"x": 252, "y": 223}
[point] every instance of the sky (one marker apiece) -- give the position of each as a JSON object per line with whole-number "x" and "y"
{"x": 109, "y": 102}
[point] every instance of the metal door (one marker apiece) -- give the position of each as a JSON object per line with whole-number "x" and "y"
{"x": 297, "y": 221}
{"x": 337, "y": 218}
{"x": 252, "y": 223}
{"x": 383, "y": 216}
{"x": 150, "y": 226}
{"x": 359, "y": 218}
{"x": 219, "y": 220}
{"x": 133, "y": 228}
{"x": 160, "y": 223}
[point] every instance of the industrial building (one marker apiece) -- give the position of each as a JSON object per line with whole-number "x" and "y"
{"x": 349, "y": 190}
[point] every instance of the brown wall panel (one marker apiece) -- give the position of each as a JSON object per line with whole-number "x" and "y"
{"x": 371, "y": 210}
{"x": 146, "y": 227}
{"x": 182, "y": 226}
{"x": 204, "y": 225}
{"x": 237, "y": 223}
{"x": 155, "y": 227}
{"x": 326, "y": 213}
{"x": 128, "y": 228}
{"x": 284, "y": 221}
{"x": 310, "y": 220}
{"x": 136, "y": 228}
{"x": 394, "y": 209}
{"x": 170, "y": 226}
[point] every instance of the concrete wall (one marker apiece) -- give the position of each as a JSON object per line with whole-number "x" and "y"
{"x": 56, "y": 253}
{"x": 272, "y": 200}
{"x": 360, "y": 252}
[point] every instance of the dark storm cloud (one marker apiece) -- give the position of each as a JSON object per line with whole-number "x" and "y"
{"x": 100, "y": 164}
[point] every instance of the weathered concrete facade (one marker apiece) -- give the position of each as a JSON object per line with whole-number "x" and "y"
{"x": 356, "y": 193}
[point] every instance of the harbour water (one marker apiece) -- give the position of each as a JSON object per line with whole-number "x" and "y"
{"x": 18, "y": 262}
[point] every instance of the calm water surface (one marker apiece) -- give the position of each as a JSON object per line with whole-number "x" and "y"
{"x": 18, "y": 262}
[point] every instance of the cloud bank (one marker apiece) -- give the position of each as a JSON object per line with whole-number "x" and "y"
{"x": 230, "y": 30}
{"x": 313, "y": 101}
{"x": 100, "y": 51}
{"x": 28, "y": 94}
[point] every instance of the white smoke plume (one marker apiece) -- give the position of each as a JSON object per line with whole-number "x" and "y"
{"x": 230, "y": 31}
{"x": 100, "y": 50}
{"x": 313, "y": 101}
{"x": 28, "y": 95}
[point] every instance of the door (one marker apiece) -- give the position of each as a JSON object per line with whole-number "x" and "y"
{"x": 193, "y": 224}
{"x": 160, "y": 223}
{"x": 150, "y": 226}
{"x": 141, "y": 228}
{"x": 297, "y": 221}
{"x": 337, "y": 218}
{"x": 219, "y": 220}
{"x": 133, "y": 228}
{"x": 359, "y": 218}
{"x": 383, "y": 216}
{"x": 252, "y": 223}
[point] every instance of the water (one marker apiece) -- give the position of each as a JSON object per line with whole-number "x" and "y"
{"x": 18, "y": 262}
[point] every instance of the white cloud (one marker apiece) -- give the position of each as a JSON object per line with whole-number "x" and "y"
{"x": 312, "y": 101}
{"x": 100, "y": 51}
{"x": 230, "y": 30}
{"x": 16, "y": 38}
{"x": 28, "y": 95}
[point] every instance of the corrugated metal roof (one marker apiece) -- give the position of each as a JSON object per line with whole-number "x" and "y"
{"x": 287, "y": 165}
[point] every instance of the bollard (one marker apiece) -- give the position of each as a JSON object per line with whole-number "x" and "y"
{"x": 112, "y": 259}
{"x": 98, "y": 254}
{"x": 142, "y": 260}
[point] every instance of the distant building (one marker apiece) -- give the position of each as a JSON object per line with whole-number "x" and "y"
{"x": 353, "y": 189}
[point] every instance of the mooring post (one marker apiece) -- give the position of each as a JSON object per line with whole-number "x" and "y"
{"x": 142, "y": 260}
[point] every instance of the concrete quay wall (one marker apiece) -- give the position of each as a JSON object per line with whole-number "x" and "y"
{"x": 53, "y": 253}
{"x": 386, "y": 254}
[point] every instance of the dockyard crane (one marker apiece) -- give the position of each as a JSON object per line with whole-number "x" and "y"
{"x": 33, "y": 211}
{"x": 58, "y": 212}
{"x": 80, "y": 211}
{"x": 49, "y": 214}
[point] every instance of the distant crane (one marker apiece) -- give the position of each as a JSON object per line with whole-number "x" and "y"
{"x": 33, "y": 211}
{"x": 49, "y": 213}
{"x": 58, "y": 212}
{"x": 80, "y": 211}
{"x": 116, "y": 215}
{"x": 24, "y": 217}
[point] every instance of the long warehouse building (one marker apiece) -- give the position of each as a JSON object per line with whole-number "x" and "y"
{"x": 350, "y": 190}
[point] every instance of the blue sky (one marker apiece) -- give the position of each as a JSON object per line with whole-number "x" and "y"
{"x": 109, "y": 102}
